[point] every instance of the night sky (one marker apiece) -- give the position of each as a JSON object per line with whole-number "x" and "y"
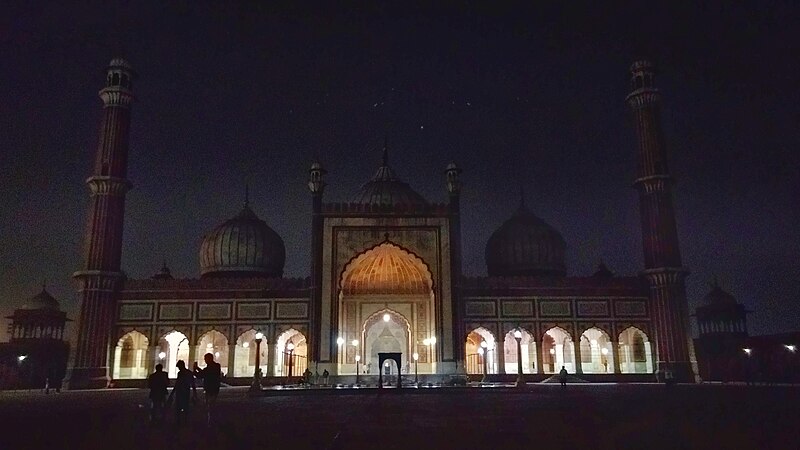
{"x": 235, "y": 95}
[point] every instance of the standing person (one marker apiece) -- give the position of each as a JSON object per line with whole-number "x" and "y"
{"x": 184, "y": 385}
{"x": 212, "y": 379}
{"x": 562, "y": 376}
{"x": 158, "y": 382}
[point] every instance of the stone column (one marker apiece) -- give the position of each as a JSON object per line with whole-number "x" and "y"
{"x": 577, "y": 346}
{"x": 231, "y": 359}
{"x": 501, "y": 355}
{"x": 539, "y": 357}
{"x": 615, "y": 353}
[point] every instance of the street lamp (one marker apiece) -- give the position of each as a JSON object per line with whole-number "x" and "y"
{"x": 256, "y": 385}
{"x": 518, "y": 337}
{"x": 21, "y": 358}
{"x": 416, "y": 372}
{"x": 290, "y": 347}
{"x": 604, "y": 352}
{"x": 748, "y": 351}
{"x": 358, "y": 358}
{"x": 162, "y": 355}
{"x": 791, "y": 347}
{"x": 484, "y": 352}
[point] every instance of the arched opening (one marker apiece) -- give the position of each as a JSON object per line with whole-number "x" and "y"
{"x": 245, "y": 355}
{"x": 557, "y": 351}
{"x": 386, "y": 331}
{"x": 130, "y": 357}
{"x": 173, "y": 347}
{"x": 215, "y": 343}
{"x": 528, "y": 352}
{"x": 597, "y": 355}
{"x": 635, "y": 354}
{"x": 481, "y": 352}
{"x": 291, "y": 351}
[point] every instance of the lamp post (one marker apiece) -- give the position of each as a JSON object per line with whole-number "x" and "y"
{"x": 604, "y": 352}
{"x": 416, "y": 372}
{"x": 518, "y": 338}
{"x": 290, "y": 347}
{"x": 354, "y": 342}
{"x": 256, "y": 385}
{"x": 358, "y": 358}
{"x": 484, "y": 352}
{"x": 429, "y": 343}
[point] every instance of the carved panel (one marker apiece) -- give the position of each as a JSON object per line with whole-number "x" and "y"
{"x": 253, "y": 310}
{"x": 211, "y": 311}
{"x": 517, "y": 308}
{"x": 481, "y": 308}
{"x": 593, "y": 308}
{"x": 555, "y": 308}
{"x": 630, "y": 308}
{"x": 185, "y": 329}
{"x": 136, "y": 311}
{"x": 181, "y": 311}
{"x": 291, "y": 310}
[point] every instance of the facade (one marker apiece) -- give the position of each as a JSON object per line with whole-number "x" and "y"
{"x": 385, "y": 276}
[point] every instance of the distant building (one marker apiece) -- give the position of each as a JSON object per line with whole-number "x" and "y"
{"x": 385, "y": 276}
{"x": 726, "y": 352}
{"x": 37, "y": 352}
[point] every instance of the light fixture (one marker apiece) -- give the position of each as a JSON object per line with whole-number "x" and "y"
{"x": 216, "y": 354}
{"x": 340, "y": 340}
{"x": 162, "y": 355}
{"x": 480, "y": 350}
{"x": 426, "y": 341}
{"x": 517, "y": 334}
{"x": 358, "y": 358}
{"x": 604, "y": 351}
{"x": 415, "y": 356}
{"x": 290, "y": 346}
{"x": 552, "y": 351}
{"x": 748, "y": 351}
{"x": 259, "y": 335}
{"x": 791, "y": 347}
{"x": 594, "y": 342}
{"x": 484, "y": 344}
{"x": 21, "y": 358}
{"x": 386, "y": 317}
{"x": 355, "y": 342}
{"x": 246, "y": 345}
{"x": 433, "y": 340}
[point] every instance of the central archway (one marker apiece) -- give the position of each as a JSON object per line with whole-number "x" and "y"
{"x": 386, "y": 305}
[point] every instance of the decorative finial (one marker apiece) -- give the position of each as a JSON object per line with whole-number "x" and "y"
{"x": 386, "y": 150}
{"x": 246, "y": 195}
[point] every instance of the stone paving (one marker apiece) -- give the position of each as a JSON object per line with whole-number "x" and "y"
{"x": 539, "y": 416}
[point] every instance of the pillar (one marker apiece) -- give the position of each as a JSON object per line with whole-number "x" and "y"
{"x": 615, "y": 354}
{"x": 578, "y": 363}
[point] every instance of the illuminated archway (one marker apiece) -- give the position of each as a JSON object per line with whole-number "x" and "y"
{"x": 244, "y": 361}
{"x": 597, "y": 355}
{"x": 476, "y": 351}
{"x": 635, "y": 353}
{"x": 528, "y": 347}
{"x": 173, "y": 347}
{"x": 386, "y": 331}
{"x": 215, "y": 343}
{"x": 130, "y": 357}
{"x": 291, "y": 351}
{"x": 557, "y": 351}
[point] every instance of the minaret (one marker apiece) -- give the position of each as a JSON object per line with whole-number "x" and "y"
{"x": 98, "y": 281}
{"x": 316, "y": 184}
{"x": 453, "y": 182}
{"x": 662, "y": 257}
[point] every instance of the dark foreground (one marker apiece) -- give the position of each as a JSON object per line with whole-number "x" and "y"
{"x": 541, "y": 416}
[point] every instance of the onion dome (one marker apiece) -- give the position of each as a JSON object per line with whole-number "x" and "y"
{"x": 385, "y": 189}
{"x": 717, "y": 296}
{"x": 42, "y": 300}
{"x": 244, "y": 246}
{"x": 525, "y": 246}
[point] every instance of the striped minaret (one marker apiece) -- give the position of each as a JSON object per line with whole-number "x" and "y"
{"x": 662, "y": 257}
{"x": 98, "y": 280}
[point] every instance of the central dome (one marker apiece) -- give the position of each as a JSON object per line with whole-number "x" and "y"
{"x": 525, "y": 246}
{"x": 385, "y": 189}
{"x": 243, "y": 246}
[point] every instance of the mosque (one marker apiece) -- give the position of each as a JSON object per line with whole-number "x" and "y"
{"x": 385, "y": 277}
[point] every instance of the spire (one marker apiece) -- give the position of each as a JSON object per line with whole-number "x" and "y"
{"x": 385, "y": 150}
{"x": 247, "y": 195}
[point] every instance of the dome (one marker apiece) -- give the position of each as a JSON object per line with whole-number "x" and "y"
{"x": 719, "y": 297}
{"x": 385, "y": 189}
{"x": 525, "y": 246}
{"x": 242, "y": 246}
{"x": 42, "y": 300}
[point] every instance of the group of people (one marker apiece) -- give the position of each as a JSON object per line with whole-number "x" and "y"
{"x": 184, "y": 393}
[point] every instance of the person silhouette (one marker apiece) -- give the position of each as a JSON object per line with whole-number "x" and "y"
{"x": 158, "y": 382}
{"x": 182, "y": 392}
{"x": 562, "y": 376}
{"x": 212, "y": 380}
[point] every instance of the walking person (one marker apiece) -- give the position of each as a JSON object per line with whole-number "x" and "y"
{"x": 562, "y": 376}
{"x": 184, "y": 392}
{"x": 212, "y": 379}
{"x": 158, "y": 382}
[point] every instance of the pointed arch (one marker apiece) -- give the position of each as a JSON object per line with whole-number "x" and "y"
{"x": 386, "y": 269}
{"x": 527, "y": 352}
{"x": 215, "y": 342}
{"x": 476, "y": 353}
{"x": 597, "y": 352}
{"x": 130, "y": 356}
{"x": 245, "y": 350}
{"x": 291, "y": 360}
{"x": 557, "y": 350}
{"x": 635, "y": 351}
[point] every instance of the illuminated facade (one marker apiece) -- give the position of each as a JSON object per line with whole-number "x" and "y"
{"x": 385, "y": 276}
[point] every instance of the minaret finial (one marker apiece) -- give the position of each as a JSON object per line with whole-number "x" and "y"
{"x": 386, "y": 150}
{"x": 247, "y": 195}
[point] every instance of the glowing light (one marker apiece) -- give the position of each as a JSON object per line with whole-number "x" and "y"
{"x": 791, "y": 348}
{"x": 426, "y": 341}
{"x": 358, "y": 358}
{"x": 386, "y": 317}
{"x": 246, "y": 345}
{"x": 604, "y": 351}
{"x": 162, "y": 355}
{"x": 21, "y": 358}
{"x": 433, "y": 340}
{"x": 340, "y": 340}
{"x": 290, "y": 346}
{"x": 517, "y": 334}
{"x": 552, "y": 351}
{"x": 415, "y": 356}
{"x": 355, "y": 342}
{"x": 484, "y": 344}
{"x": 594, "y": 342}
{"x": 480, "y": 350}
{"x": 259, "y": 335}
{"x": 216, "y": 354}
{"x": 748, "y": 351}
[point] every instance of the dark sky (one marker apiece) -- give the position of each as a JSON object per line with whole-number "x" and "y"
{"x": 229, "y": 95}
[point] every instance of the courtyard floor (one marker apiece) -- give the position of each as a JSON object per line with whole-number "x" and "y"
{"x": 587, "y": 416}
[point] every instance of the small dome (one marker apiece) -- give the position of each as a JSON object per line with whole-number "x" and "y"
{"x": 42, "y": 300}
{"x": 385, "y": 189}
{"x": 242, "y": 246}
{"x": 525, "y": 246}
{"x": 717, "y": 296}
